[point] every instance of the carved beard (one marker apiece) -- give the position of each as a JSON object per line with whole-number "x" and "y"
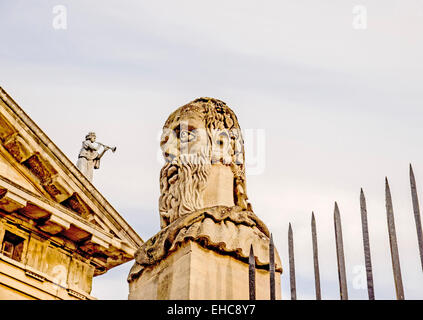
{"x": 182, "y": 184}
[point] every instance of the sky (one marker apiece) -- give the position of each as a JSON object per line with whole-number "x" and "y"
{"x": 329, "y": 104}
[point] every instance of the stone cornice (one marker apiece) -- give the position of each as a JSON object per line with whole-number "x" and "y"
{"x": 57, "y": 220}
{"x": 59, "y": 214}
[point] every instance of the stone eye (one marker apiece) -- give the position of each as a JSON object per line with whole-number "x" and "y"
{"x": 222, "y": 139}
{"x": 187, "y": 136}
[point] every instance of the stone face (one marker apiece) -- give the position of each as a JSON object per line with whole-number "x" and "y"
{"x": 193, "y": 272}
{"x": 204, "y": 152}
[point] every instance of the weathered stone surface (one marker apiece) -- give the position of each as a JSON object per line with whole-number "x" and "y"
{"x": 228, "y": 230}
{"x": 12, "y": 173}
{"x": 45, "y": 270}
{"x": 18, "y": 148}
{"x": 37, "y": 249}
{"x": 6, "y": 129}
{"x": 193, "y": 272}
{"x": 11, "y": 202}
{"x": 39, "y": 167}
{"x": 80, "y": 276}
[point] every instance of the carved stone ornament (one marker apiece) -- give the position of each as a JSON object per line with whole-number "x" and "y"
{"x": 203, "y": 189}
{"x": 228, "y": 230}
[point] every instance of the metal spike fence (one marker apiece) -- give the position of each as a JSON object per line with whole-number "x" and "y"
{"x": 342, "y": 278}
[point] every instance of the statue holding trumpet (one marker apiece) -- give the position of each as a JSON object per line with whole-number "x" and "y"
{"x": 89, "y": 157}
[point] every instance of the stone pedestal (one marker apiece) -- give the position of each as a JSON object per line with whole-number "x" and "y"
{"x": 193, "y": 272}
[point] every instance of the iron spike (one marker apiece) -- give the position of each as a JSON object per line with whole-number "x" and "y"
{"x": 416, "y": 209}
{"x": 399, "y": 289}
{"x": 272, "y": 268}
{"x": 291, "y": 264}
{"x": 340, "y": 255}
{"x": 315, "y": 257}
{"x": 252, "y": 274}
{"x": 366, "y": 246}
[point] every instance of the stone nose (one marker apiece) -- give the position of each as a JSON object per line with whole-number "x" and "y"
{"x": 170, "y": 152}
{"x": 169, "y": 157}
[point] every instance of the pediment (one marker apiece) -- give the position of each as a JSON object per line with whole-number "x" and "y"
{"x": 30, "y": 161}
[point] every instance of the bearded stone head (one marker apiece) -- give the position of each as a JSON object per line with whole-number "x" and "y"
{"x": 204, "y": 153}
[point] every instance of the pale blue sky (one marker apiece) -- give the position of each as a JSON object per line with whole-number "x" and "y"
{"x": 341, "y": 109}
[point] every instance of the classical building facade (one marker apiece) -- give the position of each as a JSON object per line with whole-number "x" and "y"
{"x": 57, "y": 231}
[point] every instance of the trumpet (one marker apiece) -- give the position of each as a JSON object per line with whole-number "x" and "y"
{"x": 107, "y": 147}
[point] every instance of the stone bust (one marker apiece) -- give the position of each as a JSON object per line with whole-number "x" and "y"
{"x": 202, "y": 189}
{"x": 204, "y": 153}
